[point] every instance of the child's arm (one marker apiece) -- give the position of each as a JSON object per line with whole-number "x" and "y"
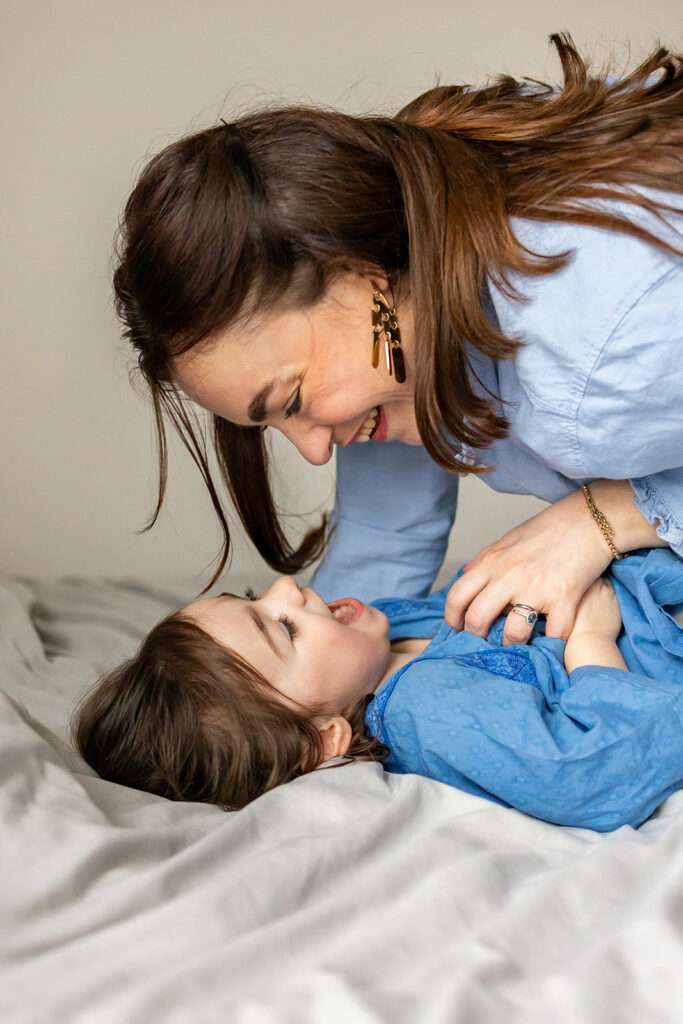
{"x": 592, "y": 641}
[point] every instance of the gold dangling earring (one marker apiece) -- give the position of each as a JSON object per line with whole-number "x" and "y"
{"x": 385, "y": 330}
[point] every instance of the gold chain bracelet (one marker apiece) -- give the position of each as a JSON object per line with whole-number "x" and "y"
{"x": 604, "y": 527}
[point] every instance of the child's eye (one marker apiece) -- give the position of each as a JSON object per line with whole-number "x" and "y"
{"x": 249, "y": 594}
{"x": 295, "y": 406}
{"x": 289, "y": 626}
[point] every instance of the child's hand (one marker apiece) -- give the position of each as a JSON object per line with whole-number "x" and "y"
{"x": 598, "y": 611}
{"x": 593, "y": 640}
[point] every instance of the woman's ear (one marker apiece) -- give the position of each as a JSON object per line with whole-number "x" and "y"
{"x": 336, "y": 734}
{"x": 376, "y": 276}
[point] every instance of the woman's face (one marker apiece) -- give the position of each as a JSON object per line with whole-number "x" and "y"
{"x": 308, "y": 373}
{"x": 313, "y": 654}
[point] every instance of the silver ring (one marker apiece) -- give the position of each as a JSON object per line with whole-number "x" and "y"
{"x": 527, "y": 612}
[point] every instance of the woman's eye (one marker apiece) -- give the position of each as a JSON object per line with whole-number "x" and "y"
{"x": 289, "y": 626}
{"x": 295, "y": 406}
{"x": 249, "y": 594}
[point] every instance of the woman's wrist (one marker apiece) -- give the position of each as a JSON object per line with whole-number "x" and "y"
{"x": 629, "y": 528}
{"x": 592, "y": 547}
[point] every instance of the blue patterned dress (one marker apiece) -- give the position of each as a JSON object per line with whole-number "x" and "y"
{"x": 599, "y": 749}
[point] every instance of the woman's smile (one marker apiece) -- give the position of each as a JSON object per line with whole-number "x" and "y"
{"x": 367, "y": 428}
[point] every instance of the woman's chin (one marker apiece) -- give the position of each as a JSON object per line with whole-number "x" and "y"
{"x": 409, "y": 435}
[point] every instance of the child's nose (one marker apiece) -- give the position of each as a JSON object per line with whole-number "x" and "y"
{"x": 285, "y": 586}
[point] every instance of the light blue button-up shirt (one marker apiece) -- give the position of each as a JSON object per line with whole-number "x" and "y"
{"x": 596, "y": 391}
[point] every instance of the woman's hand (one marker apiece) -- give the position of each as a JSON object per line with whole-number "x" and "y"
{"x": 548, "y": 563}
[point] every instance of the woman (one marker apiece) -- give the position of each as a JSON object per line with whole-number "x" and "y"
{"x": 493, "y": 278}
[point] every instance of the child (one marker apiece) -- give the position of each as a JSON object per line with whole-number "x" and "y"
{"x": 231, "y": 696}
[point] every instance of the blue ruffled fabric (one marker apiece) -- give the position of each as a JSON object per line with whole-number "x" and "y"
{"x": 659, "y": 509}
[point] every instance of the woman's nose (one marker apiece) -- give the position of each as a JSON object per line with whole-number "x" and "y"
{"x": 314, "y": 442}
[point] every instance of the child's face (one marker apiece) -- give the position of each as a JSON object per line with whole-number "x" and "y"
{"x": 291, "y": 637}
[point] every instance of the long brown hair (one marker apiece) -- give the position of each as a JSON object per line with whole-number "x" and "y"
{"x": 265, "y": 211}
{"x": 189, "y": 719}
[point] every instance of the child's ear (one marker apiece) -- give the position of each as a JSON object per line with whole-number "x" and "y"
{"x": 336, "y": 735}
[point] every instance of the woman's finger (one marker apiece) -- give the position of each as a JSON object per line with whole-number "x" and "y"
{"x": 460, "y": 596}
{"x": 517, "y": 630}
{"x": 484, "y": 609}
{"x": 561, "y": 619}
{"x": 473, "y": 562}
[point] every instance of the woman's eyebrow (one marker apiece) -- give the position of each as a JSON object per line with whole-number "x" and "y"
{"x": 257, "y": 407}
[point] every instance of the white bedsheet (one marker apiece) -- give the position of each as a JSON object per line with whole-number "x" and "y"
{"x": 350, "y": 895}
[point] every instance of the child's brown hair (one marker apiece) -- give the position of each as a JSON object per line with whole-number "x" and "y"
{"x": 189, "y": 719}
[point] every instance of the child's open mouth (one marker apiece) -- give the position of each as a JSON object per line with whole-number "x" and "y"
{"x": 347, "y": 610}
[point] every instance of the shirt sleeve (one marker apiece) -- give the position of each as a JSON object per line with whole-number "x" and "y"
{"x": 630, "y": 422}
{"x": 604, "y": 754}
{"x": 660, "y": 499}
{"x": 393, "y": 512}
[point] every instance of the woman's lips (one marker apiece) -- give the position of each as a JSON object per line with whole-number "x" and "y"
{"x": 369, "y": 423}
{"x": 382, "y": 428}
{"x": 379, "y": 431}
{"x": 348, "y": 609}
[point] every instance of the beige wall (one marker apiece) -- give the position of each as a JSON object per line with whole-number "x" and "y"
{"x": 88, "y": 89}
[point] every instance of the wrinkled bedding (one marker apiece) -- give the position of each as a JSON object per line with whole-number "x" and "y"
{"x": 349, "y": 895}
